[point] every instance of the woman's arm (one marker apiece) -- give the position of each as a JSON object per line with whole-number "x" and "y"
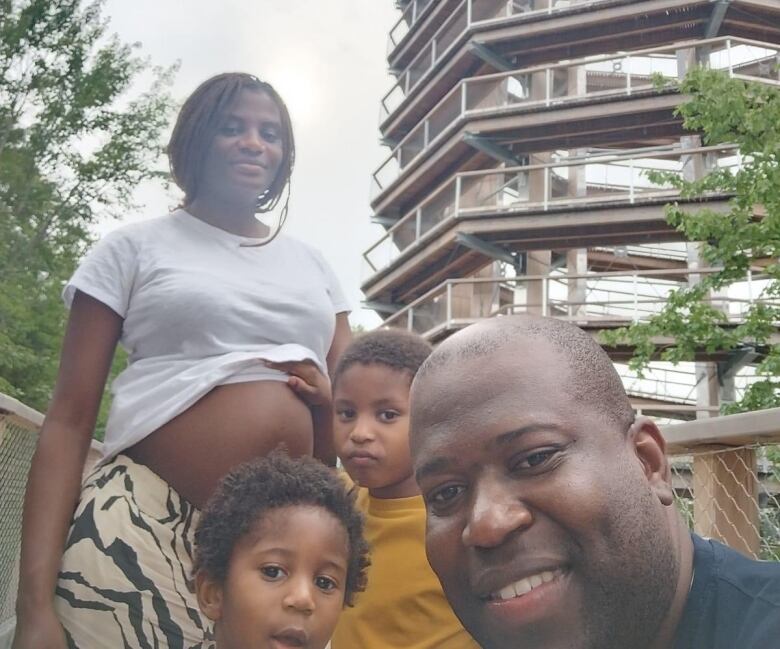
{"x": 342, "y": 336}
{"x": 322, "y": 417}
{"x": 54, "y": 481}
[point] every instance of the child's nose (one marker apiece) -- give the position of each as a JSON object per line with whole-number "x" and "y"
{"x": 300, "y": 597}
{"x": 362, "y": 432}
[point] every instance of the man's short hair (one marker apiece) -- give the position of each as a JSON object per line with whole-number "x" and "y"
{"x": 593, "y": 375}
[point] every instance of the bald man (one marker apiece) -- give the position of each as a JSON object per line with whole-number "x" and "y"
{"x": 550, "y": 514}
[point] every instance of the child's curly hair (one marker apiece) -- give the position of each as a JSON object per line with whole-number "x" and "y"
{"x": 252, "y": 489}
{"x": 397, "y": 349}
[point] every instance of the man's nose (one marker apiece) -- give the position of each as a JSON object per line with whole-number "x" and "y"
{"x": 496, "y": 513}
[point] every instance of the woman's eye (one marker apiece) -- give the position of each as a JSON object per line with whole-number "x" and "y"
{"x": 270, "y": 135}
{"x": 272, "y": 573}
{"x": 229, "y": 130}
{"x": 388, "y": 415}
{"x": 325, "y": 583}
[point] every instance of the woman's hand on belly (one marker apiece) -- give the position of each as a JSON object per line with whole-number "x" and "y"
{"x": 232, "y": 424}
{"x": 306, "y": 380}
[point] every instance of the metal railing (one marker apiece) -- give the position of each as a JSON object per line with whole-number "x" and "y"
{"x": 468, "y": 14}
{"x": 589, "y": 299}
{"x": 566, "y": 181}
{"x": 622, "y": 74}
{"x": 676, "y": 383}
{"x": 19, "y": 426}
{"x": 408, "y": 20}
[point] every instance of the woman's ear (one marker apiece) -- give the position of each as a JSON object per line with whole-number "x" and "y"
{"x": 209, "y": 592}
{"x": 650, "y": 448}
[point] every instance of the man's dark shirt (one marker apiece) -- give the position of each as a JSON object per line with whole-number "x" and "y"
{"x": 734, "y": 602}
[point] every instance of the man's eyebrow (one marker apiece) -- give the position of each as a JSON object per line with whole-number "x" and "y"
{"x": 435, "y": 465}
{"x": 511, "y": 435}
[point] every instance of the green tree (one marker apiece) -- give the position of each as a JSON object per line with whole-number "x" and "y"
{"x": 76, "y": 137}
{"x": 725, "y": 110}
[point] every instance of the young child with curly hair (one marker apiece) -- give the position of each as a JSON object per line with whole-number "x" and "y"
{"x": 279, "y": 552}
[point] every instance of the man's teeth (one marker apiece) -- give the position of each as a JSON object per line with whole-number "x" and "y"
{"x": 526, "y": 585}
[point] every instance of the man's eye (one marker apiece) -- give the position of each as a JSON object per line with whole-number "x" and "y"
{"x": 445, "y": 495}
{"x": 272, "y": 573}
{"x": 536, "y": 459}
{"x": 388, "y": 415}
{"x": 325, "y": 583}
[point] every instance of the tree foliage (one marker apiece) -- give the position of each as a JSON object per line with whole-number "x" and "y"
{"x": 725, "y": 110}
{"x": 76, "y": 138}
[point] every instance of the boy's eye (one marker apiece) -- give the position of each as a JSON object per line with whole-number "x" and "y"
{"x": 272, "y": 573}
{"x": 345, "y": 414}
{"x": 325, "y": 583}
{"x": 388, "y": 415}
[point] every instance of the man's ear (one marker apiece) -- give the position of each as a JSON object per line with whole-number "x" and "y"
{"x": 209, "y": 592}
{"x": 650, "y": 448}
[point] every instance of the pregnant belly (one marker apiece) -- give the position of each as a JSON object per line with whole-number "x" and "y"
{"x": 232, "y": 424}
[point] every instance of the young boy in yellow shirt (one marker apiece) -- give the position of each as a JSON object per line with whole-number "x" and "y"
{"x": 403, "y": 606}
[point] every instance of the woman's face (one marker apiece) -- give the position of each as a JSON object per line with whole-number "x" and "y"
{"x": 246, "y": 152}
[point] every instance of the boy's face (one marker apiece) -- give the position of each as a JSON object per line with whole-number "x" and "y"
{"x": 285, "y": 585}
{"x": 371, "y": 429}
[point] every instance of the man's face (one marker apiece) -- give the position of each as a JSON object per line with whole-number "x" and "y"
{"x": 541, "y": 523}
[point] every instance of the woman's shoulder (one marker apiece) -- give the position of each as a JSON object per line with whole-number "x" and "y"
{"x": 301, "y": 249}
{"x": 135, "y": 233}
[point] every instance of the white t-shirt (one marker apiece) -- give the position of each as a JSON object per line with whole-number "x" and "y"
{"x": 201, "y": 310}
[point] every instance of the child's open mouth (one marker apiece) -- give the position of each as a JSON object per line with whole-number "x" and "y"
{"x": 290, "y": 638}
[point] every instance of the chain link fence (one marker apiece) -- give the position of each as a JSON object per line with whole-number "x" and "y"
{"x": 732, "y": 494}
{"x": 18, "y": 435}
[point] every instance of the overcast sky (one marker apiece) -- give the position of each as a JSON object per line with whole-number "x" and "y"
{"x": 327, "y": 59}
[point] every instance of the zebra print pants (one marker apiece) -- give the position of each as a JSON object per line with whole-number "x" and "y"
{"x": 126, "y": 579}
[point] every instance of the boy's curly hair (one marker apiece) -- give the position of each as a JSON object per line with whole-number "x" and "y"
{"x": 252, "y": 489}
{"x": 397, "y": 349}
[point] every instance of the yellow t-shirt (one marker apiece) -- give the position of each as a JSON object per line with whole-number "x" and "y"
{"x": 403, "y": 606}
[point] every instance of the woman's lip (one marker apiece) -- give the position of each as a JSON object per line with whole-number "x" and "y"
{"x": 249, "y": 166}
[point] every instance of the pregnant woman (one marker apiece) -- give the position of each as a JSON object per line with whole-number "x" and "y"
{"x": 210, "y": 304}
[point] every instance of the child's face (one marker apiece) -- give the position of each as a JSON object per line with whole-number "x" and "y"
{"x": 371, "y": 429}
{"x": 285, "y": 585}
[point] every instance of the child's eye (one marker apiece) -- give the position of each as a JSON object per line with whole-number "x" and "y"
{"x": 325, "y": 583}
{"x": 388, "y": 415}
{"x": 345, "y": 414}
{"x": 272, "y": 573}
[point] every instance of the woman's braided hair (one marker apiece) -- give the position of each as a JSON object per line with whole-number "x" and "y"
{"x": 197, "y": 124}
